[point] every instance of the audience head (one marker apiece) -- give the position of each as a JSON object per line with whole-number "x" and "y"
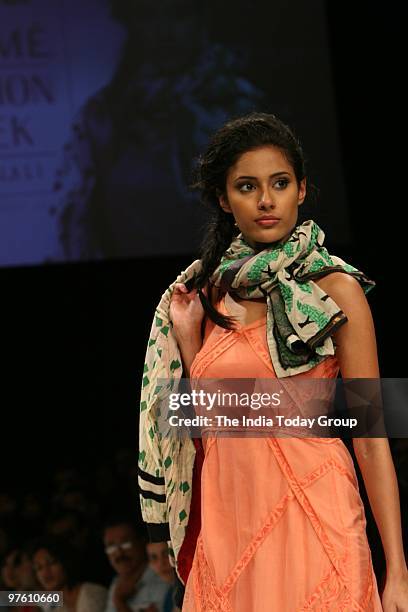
{"x": 69, "y": 525}
{"x": 27, "y": 579}
{"x": 56, "y": 564}
{"x": 158, "y": 556}
{"x": 9, "y": 569}
{"x": 125, "y": 544}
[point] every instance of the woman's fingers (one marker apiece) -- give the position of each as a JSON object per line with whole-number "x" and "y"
{"x": 180, "y": 288}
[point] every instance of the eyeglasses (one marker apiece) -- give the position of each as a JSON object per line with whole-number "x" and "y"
{"x": 112, "y": 548}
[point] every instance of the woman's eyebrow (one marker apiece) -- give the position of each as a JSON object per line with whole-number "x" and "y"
{"x": 270, "y": 176}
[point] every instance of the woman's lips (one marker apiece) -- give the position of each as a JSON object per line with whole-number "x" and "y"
{"x": 267, "y": 222}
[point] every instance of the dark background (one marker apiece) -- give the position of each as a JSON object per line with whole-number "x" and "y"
{"x": 74, "y": 335}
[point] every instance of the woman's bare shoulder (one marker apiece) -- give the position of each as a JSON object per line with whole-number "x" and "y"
{"x": 339, "y": 283}
{"x": 348, "y": 294}
{"x": 356, "y": 349}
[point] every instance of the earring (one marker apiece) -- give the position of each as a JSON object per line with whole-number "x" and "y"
{"x": 236, "y": 224}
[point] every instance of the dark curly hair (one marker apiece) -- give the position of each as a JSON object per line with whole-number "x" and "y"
{"x": 63, "y": 552}
{"x": 236, "y": 137}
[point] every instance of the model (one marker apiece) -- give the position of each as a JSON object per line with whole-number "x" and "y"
{"x": 280, "y": 524}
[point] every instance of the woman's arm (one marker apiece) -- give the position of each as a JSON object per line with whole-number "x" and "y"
{"x": 186, "y": 315}
{"x": 357, "y": 357}
{"x": 189, "y": 346}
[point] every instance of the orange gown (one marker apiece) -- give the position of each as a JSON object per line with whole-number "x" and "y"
{"x": 283, "y": 527}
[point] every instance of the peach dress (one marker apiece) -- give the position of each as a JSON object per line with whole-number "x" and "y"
{"x": 282, "y": 521}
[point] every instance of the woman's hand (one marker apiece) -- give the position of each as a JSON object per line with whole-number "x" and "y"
{"x": 186, "y": 311}
{"x": 395, "y": 594}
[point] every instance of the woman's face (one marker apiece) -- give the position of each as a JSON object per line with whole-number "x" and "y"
{"x": 49, "y": 571}
{"x": 262, "y": 182}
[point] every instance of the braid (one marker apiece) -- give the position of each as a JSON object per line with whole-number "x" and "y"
{"x": 218, "y": 237}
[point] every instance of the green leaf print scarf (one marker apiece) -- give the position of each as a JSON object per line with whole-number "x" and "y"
{"x": 301, "y": 317}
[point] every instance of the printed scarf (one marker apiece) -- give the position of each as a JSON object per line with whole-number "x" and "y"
{"x": 301, "y": 317}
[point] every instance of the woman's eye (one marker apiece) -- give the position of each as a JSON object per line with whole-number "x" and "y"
{"x": 282, "y": 181}
{"x": 241, "y": 187}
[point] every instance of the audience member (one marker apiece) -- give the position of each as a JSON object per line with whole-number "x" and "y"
{"x": 58, "y": 568}
{"x": 158, "y": 555}
{"x": 136, "y": 586}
